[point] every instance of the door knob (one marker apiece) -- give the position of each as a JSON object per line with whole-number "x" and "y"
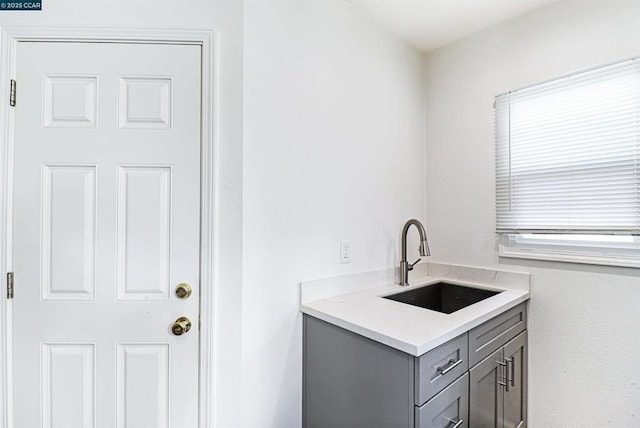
{"x": 181, "y": 326}
{"x": 183, "y": 290}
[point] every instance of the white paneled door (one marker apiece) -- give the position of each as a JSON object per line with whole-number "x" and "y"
{"x": 106, "y": 226}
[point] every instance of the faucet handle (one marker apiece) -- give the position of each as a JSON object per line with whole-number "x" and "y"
{"x": 411, "y": 265}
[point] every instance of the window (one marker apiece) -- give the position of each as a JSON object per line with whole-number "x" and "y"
{"x": 568, "y": 168}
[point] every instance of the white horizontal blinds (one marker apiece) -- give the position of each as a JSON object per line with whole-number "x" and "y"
{"x": 568, "y": 154}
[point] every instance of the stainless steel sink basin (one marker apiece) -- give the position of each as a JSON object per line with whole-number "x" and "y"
{"x": 442, "y": 297}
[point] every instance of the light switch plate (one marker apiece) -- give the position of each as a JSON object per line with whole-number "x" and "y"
{"x": 345, "y": 252}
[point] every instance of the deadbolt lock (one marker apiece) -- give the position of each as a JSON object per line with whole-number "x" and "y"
{"x": 183, "y": 290}
{"x": 181, "y": 326}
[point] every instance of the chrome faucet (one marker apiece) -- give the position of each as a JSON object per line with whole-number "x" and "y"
{"x": 405, "y": 267}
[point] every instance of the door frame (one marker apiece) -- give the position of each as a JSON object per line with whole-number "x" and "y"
{"x": 10, "y": 36}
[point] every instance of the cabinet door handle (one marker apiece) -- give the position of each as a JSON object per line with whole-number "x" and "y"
{"x": 511, "y": 363}
{"x": 505, "y": 366}
{"x": 450, "y": 366}
{"x": 456, "y": 424}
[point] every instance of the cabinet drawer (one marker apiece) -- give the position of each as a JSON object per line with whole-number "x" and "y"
{"x": 439, "y": 367}
{"x": 493, "y": 334}
{"x": 447, "y": 409}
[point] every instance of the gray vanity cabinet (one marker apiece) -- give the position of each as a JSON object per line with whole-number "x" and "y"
{"x": 351, "y": 381}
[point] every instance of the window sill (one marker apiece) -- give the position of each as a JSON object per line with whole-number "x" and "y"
{"x": 569, "y": 256}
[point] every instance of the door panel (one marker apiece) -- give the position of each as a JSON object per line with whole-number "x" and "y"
{"x": 68, "y": 224}
{"x": 485, "y": 394}
{"x": 106, "y": 225}
{"x": 144, "y": 232}
{"x": 68, "y": 374}
{"x": 515, "y": 400}
{"x": 143, "y": 385}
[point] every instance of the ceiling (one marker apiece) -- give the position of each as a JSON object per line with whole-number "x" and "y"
{"x": 430, "y": 24}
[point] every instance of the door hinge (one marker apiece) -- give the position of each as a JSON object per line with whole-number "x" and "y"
{"x": 12, "y": 94}
{"x": 9, "y": 285}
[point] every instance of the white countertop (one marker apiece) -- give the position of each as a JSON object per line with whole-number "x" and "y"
{"x": 359, "y": 308}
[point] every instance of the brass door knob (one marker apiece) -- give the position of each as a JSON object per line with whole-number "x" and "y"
{"x": 181, "y": 326}
{"x": 183, "y": 290}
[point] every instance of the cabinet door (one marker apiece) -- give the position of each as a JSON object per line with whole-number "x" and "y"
{"x": 515, "y": 400}
{"x": 485, "y": 394}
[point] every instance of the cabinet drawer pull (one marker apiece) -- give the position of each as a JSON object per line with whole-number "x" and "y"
{"x": 456, "y": 424}
{"x": 450, "y": 366}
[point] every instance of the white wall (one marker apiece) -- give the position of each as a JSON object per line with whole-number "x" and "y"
{"x": 584, "y": 320}
{"x": 226, "y": 18}
{"x": 333, "y": 150}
